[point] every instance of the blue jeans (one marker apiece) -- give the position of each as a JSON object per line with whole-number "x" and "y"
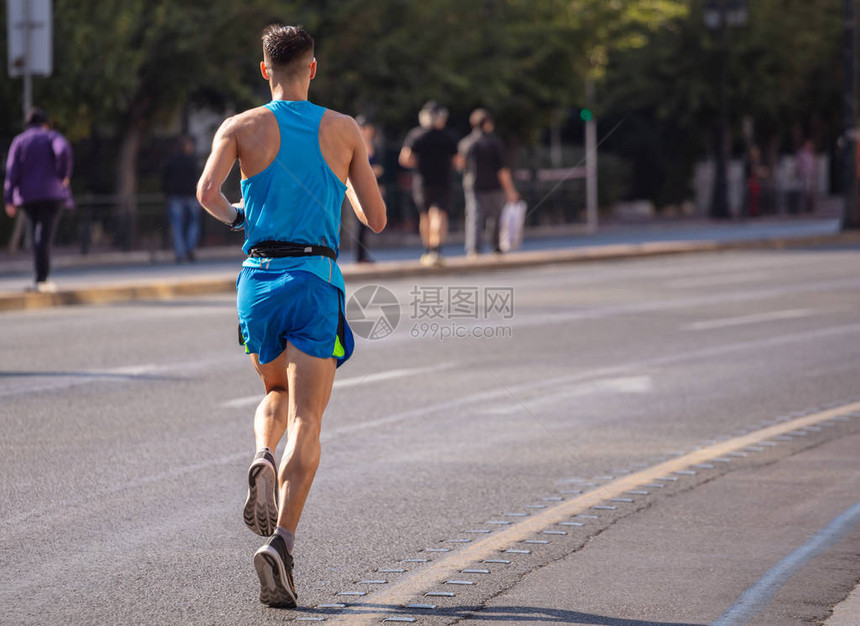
{"x": 184, "y": 215}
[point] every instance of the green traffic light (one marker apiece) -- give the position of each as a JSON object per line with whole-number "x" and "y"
{"x": 585, "y": 115}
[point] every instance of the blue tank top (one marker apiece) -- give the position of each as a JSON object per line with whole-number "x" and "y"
{"x": 297, "y": 197}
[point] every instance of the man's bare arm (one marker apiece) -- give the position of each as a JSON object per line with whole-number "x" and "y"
{"x": 407, "y": 158}
{"x": 225, "y": 151}
{"x": 507, "y": 183}
{"x": 354, "y": 202}
{"x": 362, "y": 188}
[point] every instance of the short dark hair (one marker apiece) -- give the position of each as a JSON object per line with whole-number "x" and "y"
{"x": 283, "y": 45}
{"x": 479, "y": 117}
{"x": 37, "y": 117}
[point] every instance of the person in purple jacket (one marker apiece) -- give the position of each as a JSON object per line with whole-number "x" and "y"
{"x": 38, "y": 171}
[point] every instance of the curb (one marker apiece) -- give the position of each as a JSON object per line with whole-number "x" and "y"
{"x": 165, "y": 290}
{"x": 847, "y": 612}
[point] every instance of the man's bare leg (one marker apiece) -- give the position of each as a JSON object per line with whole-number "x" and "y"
{"x": 311, "y": 380}
{"x": 270, "y": 422}
{"x": 437, "y": 229}
{"x": 442, "y": 221}
{"x": 424, "y": 229}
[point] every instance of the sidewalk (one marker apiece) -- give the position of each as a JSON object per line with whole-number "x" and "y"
{"x": 847, "y": 612}
{"x": 123, "y": 276}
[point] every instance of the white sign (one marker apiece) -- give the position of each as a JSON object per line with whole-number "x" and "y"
{"x": 30, "y": 37}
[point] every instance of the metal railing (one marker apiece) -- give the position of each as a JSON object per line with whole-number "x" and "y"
{"x": 102, "y": 221}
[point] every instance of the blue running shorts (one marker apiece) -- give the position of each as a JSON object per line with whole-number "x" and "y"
{"x": 278, "y": 306}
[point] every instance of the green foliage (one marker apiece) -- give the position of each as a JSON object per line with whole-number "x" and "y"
{"x": 122, "y": 64}
{"x": 786, "y": 64}
{"x": 778, "y": 64}
{"x": 524, "y": 59}
{"x": 784, "y": 74}
{"x": 119, "y": 62}
{"x": 618, "y": 25}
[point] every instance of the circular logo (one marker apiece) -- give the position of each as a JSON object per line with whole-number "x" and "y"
{"x": 373, "y": 312}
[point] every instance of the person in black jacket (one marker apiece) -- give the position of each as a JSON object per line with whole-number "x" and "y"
{"x": 179, "y": 181}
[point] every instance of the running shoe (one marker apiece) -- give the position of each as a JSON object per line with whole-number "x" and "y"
{"x": 274, "y": 566}
{"x": 261, "y": 505}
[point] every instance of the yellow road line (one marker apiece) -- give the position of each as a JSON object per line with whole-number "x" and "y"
{"x": 395, "y": 597}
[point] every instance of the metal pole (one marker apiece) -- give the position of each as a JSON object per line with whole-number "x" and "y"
{"x": 590, "y": 161}
{"x": 850, "y": 217}
{"x": 28, "y": 77}
{"x": 555, "y": 154}
{"x": 720, "y": 205}
{"x": 20, "y": 221}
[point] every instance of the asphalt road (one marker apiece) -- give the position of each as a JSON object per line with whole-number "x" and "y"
{"x": 127, "y": 433}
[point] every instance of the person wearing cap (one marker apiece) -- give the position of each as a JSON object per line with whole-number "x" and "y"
{"x": 430, "y": 151}
{"x": 487, "y": 182}
{"x": 38, "y": 174}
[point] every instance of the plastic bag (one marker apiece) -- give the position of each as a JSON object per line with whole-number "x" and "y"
{"x": 511, "y": 225}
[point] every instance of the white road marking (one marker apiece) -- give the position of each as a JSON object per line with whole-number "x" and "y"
{"x": 501, "y": 393}
{"x": 715, "y": 281}
{"x": 755, "y": 318}
{"x": 39, "y": 382}
{"x": 520, "y": 320}
{"x": 757, "y": 597}
{"x": 626, "y": 384}
{"x": 523, "y": 319}
{"x": 7, "y": 524}
{"x": 346, "y": 382}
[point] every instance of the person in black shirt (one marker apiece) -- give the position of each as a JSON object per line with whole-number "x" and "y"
{"x": 430, "y": 151}
{"x": 487, "y": 182}
{"x": 368, "y": 132}
{"x": 179, "y": 182}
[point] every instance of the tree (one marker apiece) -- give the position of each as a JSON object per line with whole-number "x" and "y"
{"x": 668, "y": 87}
{"x": 124, "y": 65}
{"x": 524, "y": 59}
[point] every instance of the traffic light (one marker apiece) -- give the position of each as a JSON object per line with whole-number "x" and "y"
{"x": 585, "y": 115}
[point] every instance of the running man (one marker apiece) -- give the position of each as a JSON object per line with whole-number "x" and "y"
{"x": 430, "y": 151}
{"x": 296, "y": 161}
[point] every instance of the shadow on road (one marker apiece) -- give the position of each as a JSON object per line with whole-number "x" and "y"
{"x": 85, "y": 375}
{"x": 513, "y": 614}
